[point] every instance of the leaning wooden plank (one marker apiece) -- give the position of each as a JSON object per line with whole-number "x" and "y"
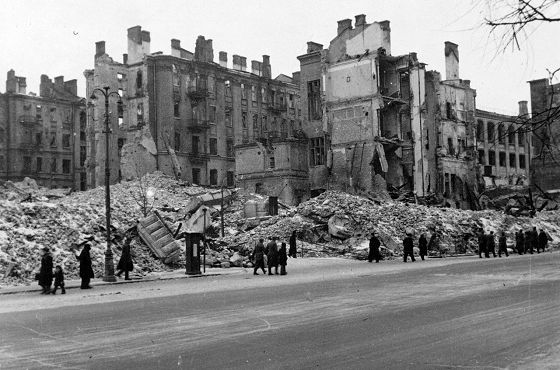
{"x": 150, "y": 242}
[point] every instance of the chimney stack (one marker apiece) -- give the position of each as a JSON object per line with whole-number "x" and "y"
{"x": 243, "y": 63}
{"x": 138, "y": 44}
{"x": 523, "y": 109}
{"x": 209, "y": 51}
{"x": 236, "y": 62}
{"x": 99, "y": 48}
{"x": 313, "y": 46}
{"x": 295, "y": 77}
{"x": 59, "y": 81}
{"x": 360, "y": 20}
{"x": 385, "y": 27}
{"x": 145, "y": 42}
{"x": 176, "y": 48}
{"x": 125, "y": 58}
{"x": 451, "y": 61}
{"x": 223, "y": 59}
{"x": 256, "y": 67}
{"x": 71, "y": 86}
{"x": 266, "y": 70}
{"x": 343, "y": 25}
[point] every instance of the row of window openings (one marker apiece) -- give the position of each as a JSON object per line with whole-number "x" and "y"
{"x": 27, "y": 138}
{"x": 52, "y": 111}
{"x": 501, "y": 159}
{"x": 213, "y": 177}
{"x": 453, "y": 184}
{"x": 66, "y": 163}
{"x": 501, "y": 133}
{"x": 213, "y": 145}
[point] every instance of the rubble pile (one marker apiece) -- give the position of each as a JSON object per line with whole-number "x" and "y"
{"x": 32, "y": 218}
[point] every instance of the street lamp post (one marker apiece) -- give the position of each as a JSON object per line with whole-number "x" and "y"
{"x": 109, "y": 265}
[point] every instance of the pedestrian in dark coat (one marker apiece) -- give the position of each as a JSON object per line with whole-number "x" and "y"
{"x": 543, "y": 240}
{"x": 535, "y": 239}
{"x": 374, "y": 245}
{"x": 125, "y": 262}
{"x": 59, "y": 280}
{"x": 86, "y": 271}
{"x": 258, "y": 256}
{"x": 491, "y": 244}
{"x": 272, "y": 256}
{"x": 502, "y": 245}
{"x": 293, "y": 249}
{"x": 433, "y": 243}
{"x": 408, "y": 248}
{"x": 46, "y": 272}
{"x": 482, "y": 244}
{"x": 528, "y": 242}
{"x": 282, "y": 258}
{"x": 423, "y": 246}
{"x": 520, "y": 242}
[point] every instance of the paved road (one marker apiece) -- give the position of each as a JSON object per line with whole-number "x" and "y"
{"x": 436, "y": 314}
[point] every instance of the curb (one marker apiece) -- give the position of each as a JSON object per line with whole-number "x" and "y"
{"x": 21, "y": 290}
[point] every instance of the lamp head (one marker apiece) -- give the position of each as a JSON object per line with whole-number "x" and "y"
{"x": 93, "y": 97}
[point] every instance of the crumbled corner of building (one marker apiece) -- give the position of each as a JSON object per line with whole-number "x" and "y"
{"x": 331, "y": 224}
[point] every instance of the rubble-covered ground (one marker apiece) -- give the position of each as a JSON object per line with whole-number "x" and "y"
{"x": 33, "y": 217}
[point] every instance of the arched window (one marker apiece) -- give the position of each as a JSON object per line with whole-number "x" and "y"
{"x": 490, "y": 129}
{"x": 511, "y": 135}
{"x": 501, "y": 133}
{"x": 480, "y": 130}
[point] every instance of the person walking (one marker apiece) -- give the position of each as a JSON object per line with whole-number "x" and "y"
{"x": 374, "y": 245}
{"x": 520, "y": 242}
{"x": 502, "y": 245}
{"x": 535, "y": 239}
{"x": 258, "y": 257}
{"x": 86, "y": 271}
{"x": 125, "y": 262}
{"x": 408, "y": 247}
{"x": 543, "y": 240}
{"x": 59, "y": 280}
{"x": 529, "y": 242}
{"x": 482, "y": 244}
{"x": 293, "y": 250}
{"x": 423, "y": 246}
{"x": 491, "y": 244}
{"x": 282, "y": 258}
{"x": 46, "y": 271}
{"x": 272, "y": 256}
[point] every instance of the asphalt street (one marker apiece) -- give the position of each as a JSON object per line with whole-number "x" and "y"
{"x": 339, "y": 314}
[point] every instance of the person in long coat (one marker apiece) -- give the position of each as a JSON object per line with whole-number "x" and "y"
{"x": 258, "y": 256}
{"x": 502, "y": 245}
{"x": 282, "y": 258}
{"x": 293, "y": 249}
{"x": 408, "y": 248}
{"x": 520, "y": 242}
{"x": 86, "y": 271}
{"x": 423, "y": 246}
{"x": 374, "y": 245}
{"x": 535, "y": 239}
{"x": 46, "y": 272}
{"x": 125, "y": 262}
{"x": 543, "y": 240}
{"x": 272, "y": 256}
{"x": 528, "y": 242}
{"x": 482, "y": 244}
{"x": 491, "y": 244}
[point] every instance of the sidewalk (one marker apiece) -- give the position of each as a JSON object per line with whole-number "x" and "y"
{"x": 155, "y": 276}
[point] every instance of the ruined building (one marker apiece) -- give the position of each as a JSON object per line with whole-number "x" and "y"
{"x": 545, "y": 135}
{"x": 43, "y": 136}
{"x": 188, "y": 116}
{"x": 378, "y": 121}
{"x": 504, "y": 148}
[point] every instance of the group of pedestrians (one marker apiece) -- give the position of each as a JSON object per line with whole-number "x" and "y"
{"x": 46, "y": 274}
{"x": 408, "y": 247}
{"x": 525, "y": 242}
{"x": 275, "y": 256}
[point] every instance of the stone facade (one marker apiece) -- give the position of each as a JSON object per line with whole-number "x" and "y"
{"x": 504, "y": 148}
{"x": 545, "y": 135}
{"x": 43, "y": 137}
{"x": 185, "y": 115}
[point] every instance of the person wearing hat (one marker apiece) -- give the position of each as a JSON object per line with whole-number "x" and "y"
{"x": 408, "y": 247}
{"x": 125, "y": 262}
{"x": 46, "y": 272}
{"x": 272, "y": 255}
{"x": 482, "y": 244}
{"x": 423, "y": 246}
{"x": 491, "y": 244}
{"x": 374, "y": 245}
{"x": 86, "y": 271}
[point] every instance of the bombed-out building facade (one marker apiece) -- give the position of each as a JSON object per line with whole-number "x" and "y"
{"x": 188, "y": 116}
{"x": 376, "y": 121}
{"x": 43, "y": 136}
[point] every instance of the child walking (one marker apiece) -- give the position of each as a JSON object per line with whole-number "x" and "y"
{"x": 58, "y": 280}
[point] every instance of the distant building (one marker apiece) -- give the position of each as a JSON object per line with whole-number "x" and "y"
{"x": 43, "y": 137}
{"x": 191, "y": 117}
{"x": 545, "y": 125}
{"x": 504, "y": 147}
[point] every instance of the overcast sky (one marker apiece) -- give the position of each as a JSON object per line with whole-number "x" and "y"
{"x": 58, "y": 37}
